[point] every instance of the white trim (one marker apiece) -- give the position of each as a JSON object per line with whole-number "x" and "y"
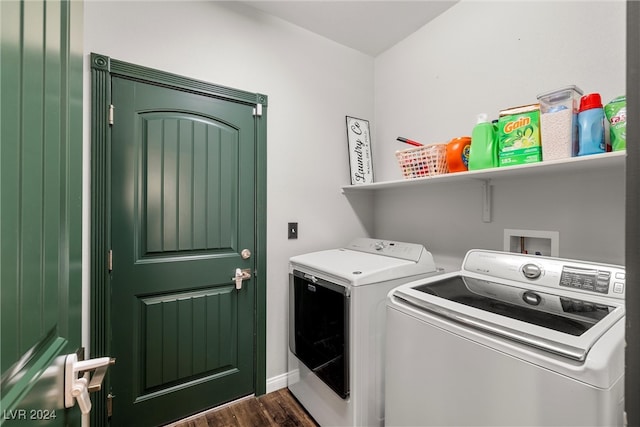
{"x": 279, "y": 381}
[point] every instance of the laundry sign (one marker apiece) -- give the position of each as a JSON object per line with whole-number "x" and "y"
{"x": 360, "y": 161}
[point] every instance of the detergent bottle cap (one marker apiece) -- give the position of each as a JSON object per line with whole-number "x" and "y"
{"x": 482, "y": 118}
{"x": 590, "y": 101}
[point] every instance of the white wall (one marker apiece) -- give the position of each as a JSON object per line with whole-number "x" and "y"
{"x": 311, "y": 82}
{"x": 484, "y": 56}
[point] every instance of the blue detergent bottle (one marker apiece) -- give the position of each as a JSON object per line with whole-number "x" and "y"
{"x": 591, "y": 125}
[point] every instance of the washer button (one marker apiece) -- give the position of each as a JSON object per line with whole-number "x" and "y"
{"x": 620, "y": 276}
{"x": 618, "y": 287}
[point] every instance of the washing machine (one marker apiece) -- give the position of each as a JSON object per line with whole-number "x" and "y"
{"x": 336, "y": 326}
{"x": 508, "y": 340}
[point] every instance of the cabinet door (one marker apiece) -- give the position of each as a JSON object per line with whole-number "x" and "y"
{"x": 41, "y": 205}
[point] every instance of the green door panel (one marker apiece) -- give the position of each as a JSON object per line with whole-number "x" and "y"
{"x": 41, "y": 201}
{"x": 185, "y": 210}
{"x": 199, "y": 324}
{"x": 183, "y": 207}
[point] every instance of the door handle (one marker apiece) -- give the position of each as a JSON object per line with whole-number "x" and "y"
{"x": 77, "y": 383}
{"x": 241, "y": 274}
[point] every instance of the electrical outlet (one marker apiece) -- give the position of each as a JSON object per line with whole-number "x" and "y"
{"x": 293, "y": 230}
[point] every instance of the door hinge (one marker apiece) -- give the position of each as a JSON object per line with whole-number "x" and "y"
{"x": 110, "y": 397}
{"x": 257, "y": 111}
{"x": 110, "y": 260}
{"x": 111, "y": 108}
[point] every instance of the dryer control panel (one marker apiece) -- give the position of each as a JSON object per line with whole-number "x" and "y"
{"x": 402, "y": 250}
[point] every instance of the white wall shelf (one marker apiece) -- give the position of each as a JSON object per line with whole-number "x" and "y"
{"x": 574, "y": 164}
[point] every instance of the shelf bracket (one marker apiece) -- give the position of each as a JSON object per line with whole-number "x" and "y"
{"x": 486, "y": 200}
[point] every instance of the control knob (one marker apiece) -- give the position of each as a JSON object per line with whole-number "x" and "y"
{"x": 531, "y": 271}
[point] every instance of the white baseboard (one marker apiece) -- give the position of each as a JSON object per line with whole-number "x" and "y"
{"x": 277, "y": 382}
{"x": 280, "y": 381}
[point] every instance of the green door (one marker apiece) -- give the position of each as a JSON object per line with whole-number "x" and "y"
{"x": 183, "y": 209}
{"x": 41, "y": 202}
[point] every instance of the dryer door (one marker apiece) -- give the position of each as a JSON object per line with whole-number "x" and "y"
{"x": 319, "y": 329}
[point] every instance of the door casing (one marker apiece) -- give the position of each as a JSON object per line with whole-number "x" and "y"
{"x": 103, "y": 68}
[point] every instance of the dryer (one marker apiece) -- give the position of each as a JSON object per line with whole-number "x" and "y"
{"x": 337, "y": 324}
{"x": 509, "y": 340}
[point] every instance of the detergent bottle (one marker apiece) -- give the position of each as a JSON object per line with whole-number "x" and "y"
{"x": 484, "y": 145}
{"x": 591, "y": 125}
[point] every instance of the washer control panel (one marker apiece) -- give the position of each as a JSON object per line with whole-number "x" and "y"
{"x": 588, "y": 279}
{"x": 583, "y": 276}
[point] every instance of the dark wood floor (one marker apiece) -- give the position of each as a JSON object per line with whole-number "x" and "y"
{"x": 278, "y": 408}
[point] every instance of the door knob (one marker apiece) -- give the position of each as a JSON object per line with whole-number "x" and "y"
{"x": 240, "y": 276}
{"x": 245, "y": 254}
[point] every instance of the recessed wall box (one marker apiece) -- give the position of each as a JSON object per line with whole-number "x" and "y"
{"x": 534, "y": 242}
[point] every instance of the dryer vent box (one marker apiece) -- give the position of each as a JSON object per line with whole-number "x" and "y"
{"x": 532, "y": 242}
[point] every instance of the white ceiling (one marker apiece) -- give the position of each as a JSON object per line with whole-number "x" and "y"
{"x": 368, "y": 26}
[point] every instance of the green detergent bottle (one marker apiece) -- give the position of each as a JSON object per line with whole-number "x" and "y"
{"x": 484, "y": 145}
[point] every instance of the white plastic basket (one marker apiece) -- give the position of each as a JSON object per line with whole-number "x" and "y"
{"x": 428, "y": 160}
